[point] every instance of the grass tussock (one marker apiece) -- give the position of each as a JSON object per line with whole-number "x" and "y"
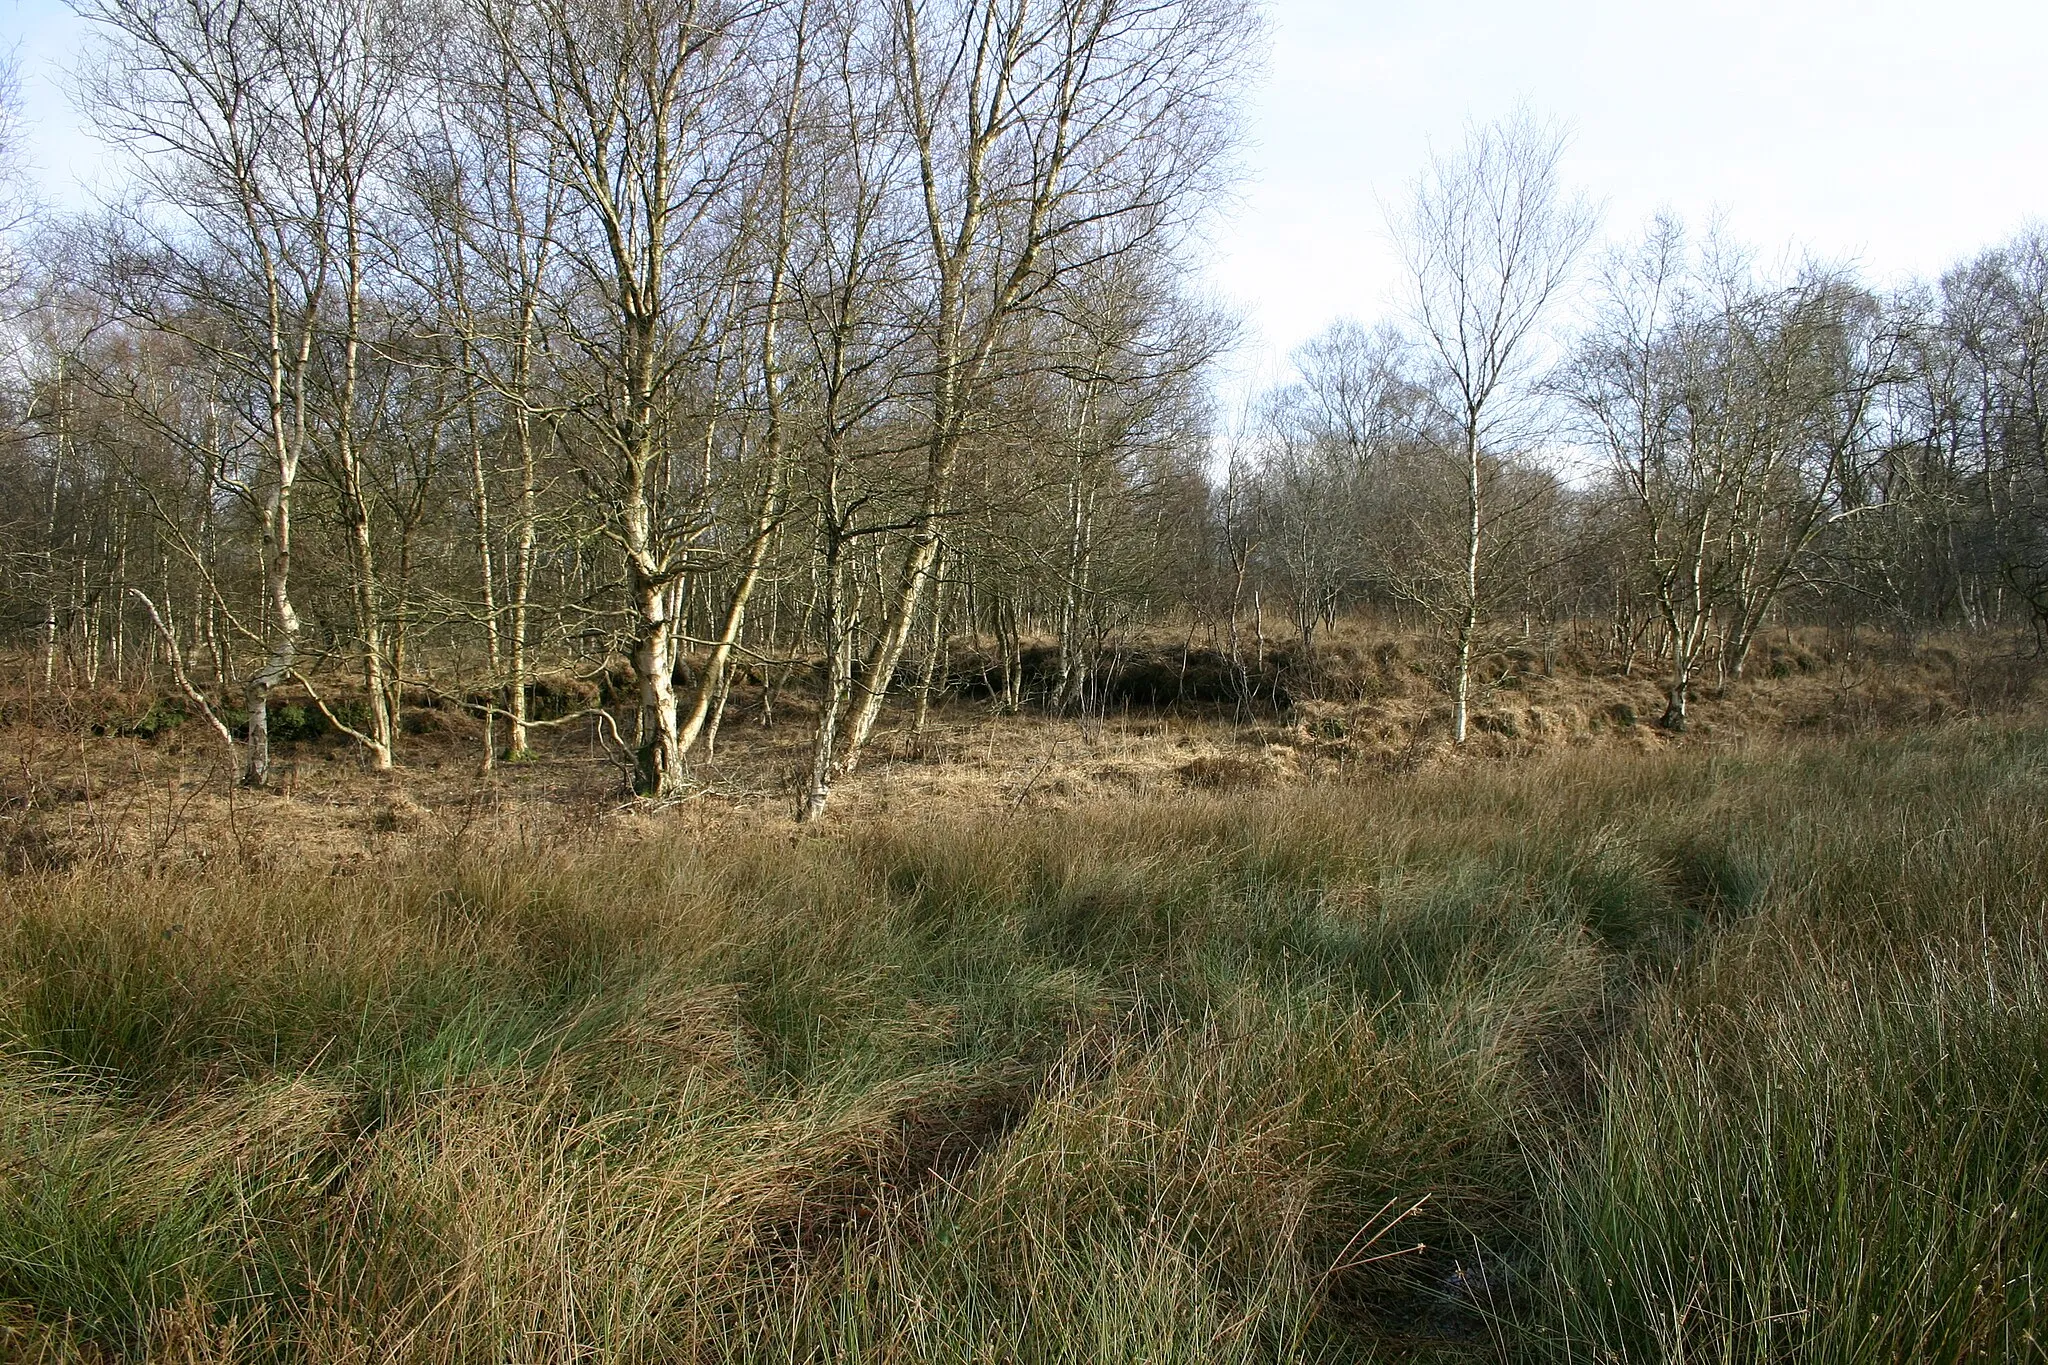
{"x": 1680, "y": 1057}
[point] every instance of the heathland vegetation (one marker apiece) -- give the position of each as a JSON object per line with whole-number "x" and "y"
{"x": 1596, "y": 1056}
{"x": 1528, "y": 842}
{"x": 681, "y": 348}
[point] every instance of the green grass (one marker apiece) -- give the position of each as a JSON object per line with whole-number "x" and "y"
{"x": 1687, "y": 1058}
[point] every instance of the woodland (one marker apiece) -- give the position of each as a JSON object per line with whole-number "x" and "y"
{"x": 621, "y": 365}
{"x": 656, "y": 705}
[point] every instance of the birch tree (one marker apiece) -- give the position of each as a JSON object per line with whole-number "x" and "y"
{"x": 1809, "y": 362}
{"x": 1032, "y": 124}
{"x": 1488, "y": 240}
{"x": 853, "y": 300}
{"x": 200, "y": 93}
{"x": 632, "y": 101}
{"x": 1649, "y": 397}
{"x": 1335, "y": 445}
{"x": 488, "y": 192}
{"x": 344, "y": 86}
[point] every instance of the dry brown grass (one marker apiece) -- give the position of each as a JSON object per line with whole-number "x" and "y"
{"x": 1181, "y": 1077}
{"x": 78, "y": 782}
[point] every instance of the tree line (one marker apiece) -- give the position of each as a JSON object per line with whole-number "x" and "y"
{"x": 1706, "y": 448}
{"x": 450, "y": 346}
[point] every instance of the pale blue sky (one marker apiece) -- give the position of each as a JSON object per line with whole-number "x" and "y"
{"x": 1903, "y": 135}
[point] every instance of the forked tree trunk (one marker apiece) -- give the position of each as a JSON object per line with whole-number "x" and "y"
{"x": 1676, "y": 698}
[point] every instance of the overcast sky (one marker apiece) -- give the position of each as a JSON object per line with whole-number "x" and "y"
{"x": 1901, "y": 135}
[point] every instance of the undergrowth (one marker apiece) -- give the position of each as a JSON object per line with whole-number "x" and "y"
{"x": 1690, "y": 1057}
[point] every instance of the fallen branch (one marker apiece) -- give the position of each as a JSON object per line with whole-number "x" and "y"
{"x": 336, "y": 721}
{"x": 178, "y": 674}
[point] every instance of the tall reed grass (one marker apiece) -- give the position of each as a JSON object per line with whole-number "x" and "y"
{"x": 1730, "y": 1057}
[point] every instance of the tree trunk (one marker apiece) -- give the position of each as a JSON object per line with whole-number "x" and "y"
{"x": 838, "y": 683}
{"x": 1468, "y": 619}
{"x": 50, "y": 541}
{"x": 932, "y": 661}
{"x": 480, "y": 496}
{"x": 873, "y": 685}
{"x": 1678, "y": 694}
{"x": 658, "y": 766}
{"x": 281, "y": 652}
{"x": 522, "y": 589}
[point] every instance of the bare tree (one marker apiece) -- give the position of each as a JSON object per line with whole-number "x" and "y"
{"x": 488, "y": 193}
{"x": 1033, "y": 126}
{"x": 1337, "y": 442}
{"x": 1643, "y": 384}
{"x": 1811, "y": 361}
{"x": 2001, "y": 307}
{"x": 1489, "y": 239}
{"x": 1737, "y": 420}
{"x": 632, "y": 101}
{"x": 790, "y": 139}
{"x": 852, "y": 293}
{"x": 202, "y": 93}
{"x": 345, "y": 84}
{"x": 15, "y": 207}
